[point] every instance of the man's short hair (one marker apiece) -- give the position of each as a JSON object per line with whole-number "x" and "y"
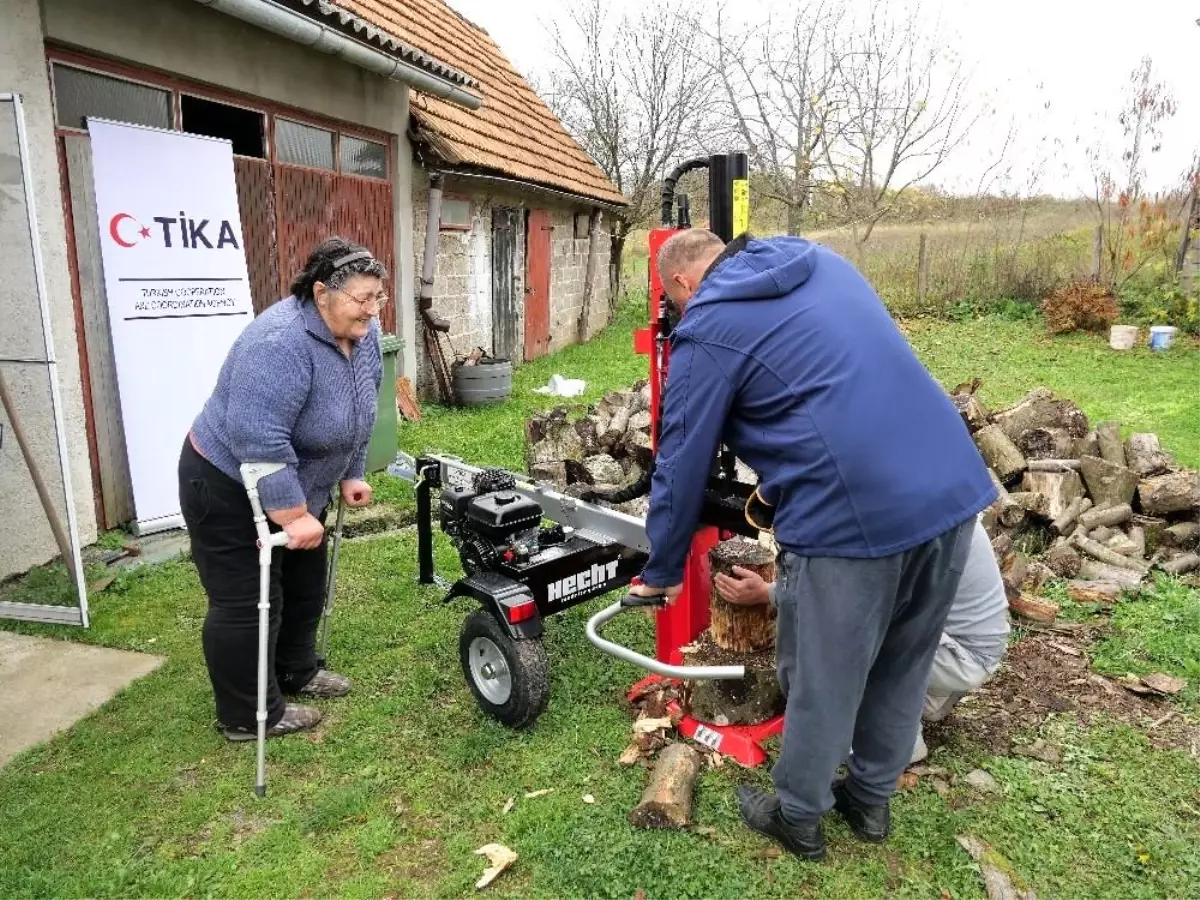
{"x": 683, "y": 250}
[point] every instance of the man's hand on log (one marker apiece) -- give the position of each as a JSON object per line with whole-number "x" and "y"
{"x": 748, "y": 589}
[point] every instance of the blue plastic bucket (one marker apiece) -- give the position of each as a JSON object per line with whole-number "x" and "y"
{"x": 1161, "y": 336}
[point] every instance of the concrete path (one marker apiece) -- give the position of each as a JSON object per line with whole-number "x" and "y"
{"x": 46, "y": 686}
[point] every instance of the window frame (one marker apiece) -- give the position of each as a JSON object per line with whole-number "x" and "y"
{"x": 457, "y": 198}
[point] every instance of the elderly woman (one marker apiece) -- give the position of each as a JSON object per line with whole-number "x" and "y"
{"x": 299, "y": 388}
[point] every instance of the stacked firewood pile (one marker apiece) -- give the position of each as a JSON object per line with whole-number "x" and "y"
{"x": 1098, "y": 511}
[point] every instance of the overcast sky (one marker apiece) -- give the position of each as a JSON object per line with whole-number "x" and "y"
{"x": 1080, "y": 56}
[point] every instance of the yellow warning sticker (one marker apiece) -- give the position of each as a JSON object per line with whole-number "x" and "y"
{"x": 741, "y": 206}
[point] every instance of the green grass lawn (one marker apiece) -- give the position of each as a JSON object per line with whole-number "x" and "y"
{"x": 405, "y": 779}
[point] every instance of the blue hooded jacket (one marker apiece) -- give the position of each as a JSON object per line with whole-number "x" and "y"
{"x": 786, "y": 354}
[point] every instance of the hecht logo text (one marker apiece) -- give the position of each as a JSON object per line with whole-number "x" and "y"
{"x": 573, "y": 585}
{"x": 178, "y": 232}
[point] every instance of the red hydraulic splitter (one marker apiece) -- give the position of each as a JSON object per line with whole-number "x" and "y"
{"x": 680, "y": 623}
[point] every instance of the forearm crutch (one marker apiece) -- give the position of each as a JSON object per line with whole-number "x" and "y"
{"x": 330, "y": 581}
{"x": 252, "y": 473}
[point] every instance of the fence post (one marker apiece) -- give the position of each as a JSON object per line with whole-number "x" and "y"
{"x": 1097, "y": 248}
{"x": 922, "y": 270}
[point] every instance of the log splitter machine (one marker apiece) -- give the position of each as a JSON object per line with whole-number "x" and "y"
{"x": 519, "y": 569}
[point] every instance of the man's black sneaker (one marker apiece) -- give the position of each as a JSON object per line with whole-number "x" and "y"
{"x": 871, "y": 822}
{"x": 760, "y": 811}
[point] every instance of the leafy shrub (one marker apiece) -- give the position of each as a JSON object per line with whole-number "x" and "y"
{"x": 1081, "y": 306}
{"x": 1157, "y": 298}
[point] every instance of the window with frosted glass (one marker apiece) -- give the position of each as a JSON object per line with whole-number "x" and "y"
{"x": 303, "y": 145}
{"x": 79, "y": 94}
{"x": 365, "y": 158}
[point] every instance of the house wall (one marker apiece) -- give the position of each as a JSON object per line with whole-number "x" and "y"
{"x": 463, "y": 279}
{"x": 25, "y": 536}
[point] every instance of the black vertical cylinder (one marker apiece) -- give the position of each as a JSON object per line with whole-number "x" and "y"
{"x": 425, "y": 568}
{"x": 724, "y": 170}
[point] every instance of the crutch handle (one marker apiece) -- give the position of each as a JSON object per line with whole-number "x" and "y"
{"x": 278, "y": 539}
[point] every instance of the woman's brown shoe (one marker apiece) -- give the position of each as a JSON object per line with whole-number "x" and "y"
{"x": 295, "y": 718}
{"x": 326, "y": 684}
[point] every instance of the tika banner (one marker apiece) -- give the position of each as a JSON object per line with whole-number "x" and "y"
{"x": 177, "y": 286}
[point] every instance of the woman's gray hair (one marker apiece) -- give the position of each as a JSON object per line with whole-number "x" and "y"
{"x": 333, "y": 262}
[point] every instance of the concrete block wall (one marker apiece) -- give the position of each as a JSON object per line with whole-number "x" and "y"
{"x": 463, "y": 281}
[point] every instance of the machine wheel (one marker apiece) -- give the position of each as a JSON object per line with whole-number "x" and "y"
{"x": 510, "y": 679}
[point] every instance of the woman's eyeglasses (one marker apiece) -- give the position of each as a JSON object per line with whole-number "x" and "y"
{"x": 378, "y": 301}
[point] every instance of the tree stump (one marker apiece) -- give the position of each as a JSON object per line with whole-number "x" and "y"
{"x": 737, "y": 635}
{"x": 741, "y": 628}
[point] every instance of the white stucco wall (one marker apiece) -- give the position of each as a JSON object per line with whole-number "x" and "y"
{"x": 25, "y": 536}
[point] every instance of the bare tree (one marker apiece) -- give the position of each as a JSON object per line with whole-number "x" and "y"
{"x": 1120, "y": 194}
{"x": 778, "y": 95}
{"x": 1190, "y": 211}
{"x": 632, "y": 92}
{"x": 900, "y": 114}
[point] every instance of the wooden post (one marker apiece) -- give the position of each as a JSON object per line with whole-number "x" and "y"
{"x": 922, "y": 269}
{"x": 589, "y": 287}
{"x": 1097, "y": 251}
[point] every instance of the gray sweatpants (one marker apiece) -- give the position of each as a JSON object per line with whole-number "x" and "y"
{"x": 856, "y": 639}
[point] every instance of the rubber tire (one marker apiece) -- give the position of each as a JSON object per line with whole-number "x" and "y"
{"x": 527, "y": 666}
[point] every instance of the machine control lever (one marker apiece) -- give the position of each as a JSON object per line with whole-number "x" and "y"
{"x": 686, "y": 673}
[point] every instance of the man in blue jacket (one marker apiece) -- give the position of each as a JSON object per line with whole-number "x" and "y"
{"x": 786, "y": 354}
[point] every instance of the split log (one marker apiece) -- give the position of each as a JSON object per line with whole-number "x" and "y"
{"x": 1109, "y": 436}
{"x": 1053, "y": 465}
{"x": 1036, "y": 576}
{"x": 639, "y": 446}
{"x": 586, "y": 429}
{"x": 1063, "y": 561}
{"x": 1103, "y": 554}
{"x": 1121, "y": 543}
{"x": 1184, "y": 535}
{"x": 1012, "y": 571}
{"x": 618, "y": 426}
{"x": 1176, "y": 492}
{"x": 640, "y": 421}
{"x": 1094, "y": 591}
{"x": 735, "y": 627}
{"x": 1153, "y": 526}
{"x": 1145, "y": 456}
{"x": 1187, "y": 562}
{"x": 1065, "y": 523}
{"x": 1108, "y": 515}
{"x": 1008, "y": 513}
{"x": 1036, "y": 503}
{"x": 1094, "y": 570}
{"x": 603, "y": 469}
{"x": 1039, "y": 409}
{"x": 1001, "y": 544}
{"x": 1046, "y": 443}
{"x": 1061, "y": 489}
{"x": 1108, "y": 483}
{"x": 1088, "y": 445}
{"x": 554, "y": 472}
{"x": 667, "y": 799}
{"x": 1099, "y": 535}
{"x": 1137, "y": 537}
{"x": 1000, "y": 453}
{"x": 1033, "y": 609}
{"x": 974, "y": 414}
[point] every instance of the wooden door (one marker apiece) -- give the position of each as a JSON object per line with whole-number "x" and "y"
{"x": 506, "y": 313}
{"x": 537, "y": 283}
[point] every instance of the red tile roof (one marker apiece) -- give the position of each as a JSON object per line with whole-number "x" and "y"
{"x": 514, "y": 133}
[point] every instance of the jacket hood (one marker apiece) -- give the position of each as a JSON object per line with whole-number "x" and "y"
{"x": 764, "y": 269}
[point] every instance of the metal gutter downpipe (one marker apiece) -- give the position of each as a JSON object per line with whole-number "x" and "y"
{"x": 429, "y": 266}
{"x": 302, "y": 30}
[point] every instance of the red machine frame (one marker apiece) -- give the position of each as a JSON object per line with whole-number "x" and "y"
{"x": 679, "y": 623}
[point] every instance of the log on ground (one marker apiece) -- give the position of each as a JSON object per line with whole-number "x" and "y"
{"x": 1186, "y": 562}
{"x": 667, "y": 799}
{"x": 735, "y": 627}
{"x": 1108, "y": 515}
{"x": 1033, "y": 608}
{"x": 1094, "y": 570}
{"x": 1108, "y": 483}
{"x": 1063, "y": 561}
{"x": 1110, "y": 557}
{"x": 1000, "y": 453}
{"x": 1182, "y": 535}
{"x": 1094, "y": 591}
{"x": 1173, "y": 493}
{"x": 1046, "y": 443}
{"x": 1053, "y": 465}
{"x": 1065, "y": 523}
{"x": 1039, "y": 409}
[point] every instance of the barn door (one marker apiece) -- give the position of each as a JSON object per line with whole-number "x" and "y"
{"x": 537, "y": 284}
{"x": 506, "y": 314}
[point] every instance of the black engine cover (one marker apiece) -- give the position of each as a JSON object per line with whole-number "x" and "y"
{"x": 499, "y": 515}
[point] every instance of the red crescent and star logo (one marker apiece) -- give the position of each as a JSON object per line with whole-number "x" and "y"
{"x": 114, "y": 229}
